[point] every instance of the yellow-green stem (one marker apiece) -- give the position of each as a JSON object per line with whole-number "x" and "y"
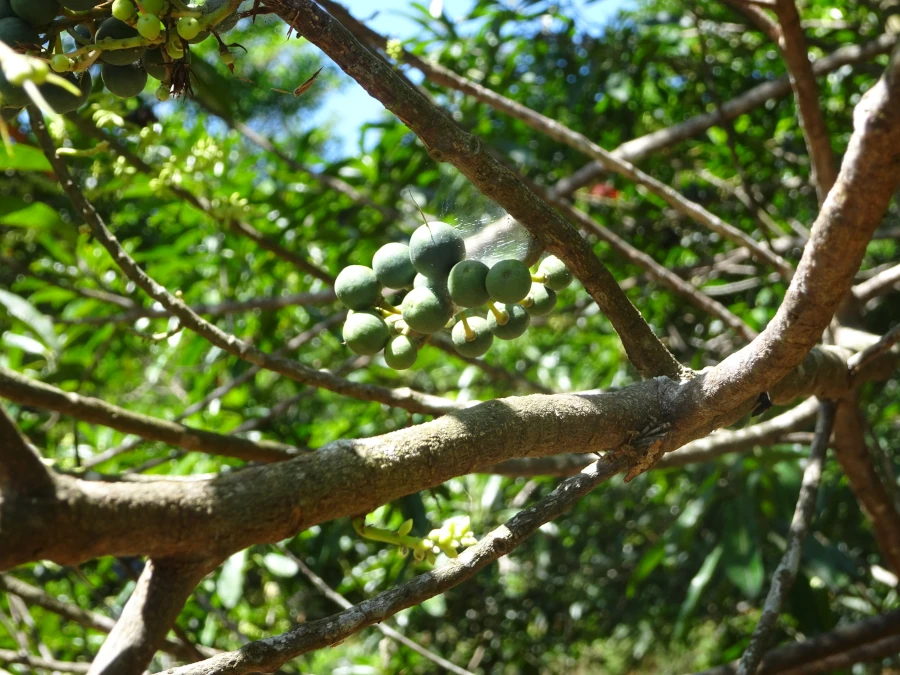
{"x": 501, "y": 315}
{"x": 470, "y": 334}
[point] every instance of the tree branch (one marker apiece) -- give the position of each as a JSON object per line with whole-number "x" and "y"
{"x": 148, "y": 615}
{"x": 21, "y": 471}
{"x": 758, "y": 17}
{"x": 18, "y": 388}
{"x": 9, "y": 656}
{"x": 402, "y": 398}
{"x": 271, "y": 652}
{"x": 552, "y": 129}
{"x": 446, "y": 142}
{"x": 639, "y": 148}
{"x": 881, "y": 283}
{"x": 231, "y": 307}
{"x": 856, "y": 462}
{"x": 792, "y": 44}
{"x": 787, "y": 569}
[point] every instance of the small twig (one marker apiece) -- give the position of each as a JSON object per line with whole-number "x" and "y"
{"x": 861, "y": 359}
{"x": 786, "y": 572}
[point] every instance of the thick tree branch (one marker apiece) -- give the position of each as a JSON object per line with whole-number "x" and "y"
{"x": 232, "y": 307}
{"x": 448, "y": 143}
{"x": 563, "y": 134}
{"x": 639, "y": 148}
{"x": 21, "y": 470}
{"x": 402, "y": 398}
{"x": 786, "y": 572}
{"x": 25, "y": 391}
{"x": 267, "y": 654}
{"x": 853, "y": 455}
{"x": 701, "y": 450}
{"x": 792, "y": 44}
{"x": 148, "y": 615}
{"x": 758, "y": 17}
{"x": 855, "y": 206}
{"x": 218, "y": 515}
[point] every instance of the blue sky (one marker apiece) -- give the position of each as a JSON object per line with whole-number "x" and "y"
{"x": 349, "y": 107}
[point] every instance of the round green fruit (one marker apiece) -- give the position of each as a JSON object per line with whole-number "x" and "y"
{"x": 114, "y": 29}
{"x": 64, "y": 101}
{"x": 365, "y": 334}
{"x": 540, "y": 301}
{"x": 123, "y": 9}
{"x": 516, "y": 323}
{"x": 174, "y": 48}
{"x": 11, "y": 95}
{"x": 188, "y": 27}
{"x": 400, "y": 353}
{"x": 60, "y": 63}
{"x": 35, "y": 12}
{"x": 466, "y": 283}
{"x": 124, "y": 81}
{"x": 425, "y": 311}
{"x": 481, "y": 335}
{"x": 149, "y": 26}
{"x": 508, "y": 281}
{"x": 82, "y": 34}
{"x": 17, "y": 33}
{"x": 6, "y": 9}
{"x": 225, "y": 24}
{"x": 163, "y": 92}
{"x": 357, "y": 287}
{"x": 555, "y": 273}
{"x": 435, "y": 248}
{"x": 392, "y": 265}
{"x": 153, "y": 6}
{"x": 155, "y": 64}
{"x": 199, "y": 37}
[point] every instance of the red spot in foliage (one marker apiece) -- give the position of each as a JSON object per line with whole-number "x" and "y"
{"x": 604, "y": 190}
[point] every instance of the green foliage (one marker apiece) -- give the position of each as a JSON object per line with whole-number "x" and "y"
{"x": 665, "y": 574}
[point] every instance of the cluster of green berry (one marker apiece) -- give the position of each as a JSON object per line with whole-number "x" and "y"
{"x": 443, "y": 284}
{"x": 131, "y": 40}
{"x": 454, "y": 534}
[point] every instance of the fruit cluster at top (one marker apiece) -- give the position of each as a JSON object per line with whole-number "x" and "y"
{"x": 131, "y": 39}
{"x": 442, "y": 284}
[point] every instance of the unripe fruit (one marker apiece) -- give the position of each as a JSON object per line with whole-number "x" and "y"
{"x": 174, "y": 48}
{"x": 60, "y": 63}
{"x": 516, "y": 323}
{"x": 400, "y": 353}
{"x": 466, "y": 283}
{"x": 357, "y": 288}
{"x": 17, "y": 33}
{"x": 123, "y": 9}
{"x": 80, "y": 5}
{"x": 118, "y": 30}
{"x": 149, "y": 27}
{"x": 35, "y": 12}
{"x": 391, "y": 262}
{"x": 228, "y": 59}
{"x": 482, "y": 337}
{"x": 508, "y": 281}
{"x": 154, "y": 64}
{"x": 424, "y": 311}
{"x": 5, "y": 10}
{"x": 435, "y": 248}
{"x": 188, "y": 27}
{"x": 556, "y": 275}
{"x": 365, "y": 334}
{"x": 540, "y": 301}
{"x": 153, "y": 6}
{"x": 124, "y": 81}
{"x": 63, "y": 101}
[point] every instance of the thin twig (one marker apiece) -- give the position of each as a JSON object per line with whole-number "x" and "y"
{"x": 787, "y": 569}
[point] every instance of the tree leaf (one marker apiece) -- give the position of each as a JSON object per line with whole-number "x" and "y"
{"x": 230, "y": 586}
{"x": 280, "y": 565}
{"x": 695, "y": 589}
{"x": 28, "y": 314}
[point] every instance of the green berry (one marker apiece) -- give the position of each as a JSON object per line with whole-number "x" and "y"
{"x": 123, "y": 9}
{"x": 508, "y": 281}
{"x": 435, "y": 248}
{"x": 481, "y": 341}
{"x": 466, "y": 283}
{"x": 60, "y": 63}
{"x": 63, "y": 101}
{"x": 391, "y": 262}
{"x": 18, "y": 34}
{"x": 540, "y": 301}
{"x": 162, "y": 92}
{"x": 555, "y": 273}
{"x": 516, "y": 322}
{"x": 174, "y": 48}
{"x": 124, "y": 81}
{"x": 357, "y": 287}
{"x": 400, "y": 353}
{"x": 149, "y": 27}
{"x": 155, "y": 65}
{"x": 35, "y": 12}
{"x": 228, "y": 59}
{"x": 365, "y": 334}
{"x": 188, "y": 27}
{"x": 153, "y": 6}
{"x": 115, "y": 29}
{"x": 425, "y": 311}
